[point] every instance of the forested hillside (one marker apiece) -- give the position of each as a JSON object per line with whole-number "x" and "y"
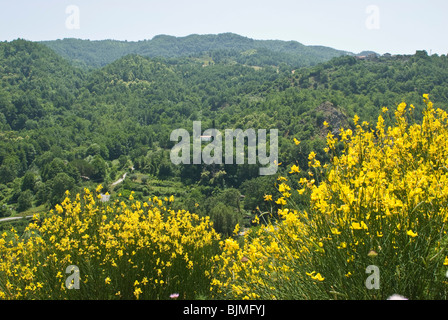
{"x": 94, "y": 54}
{"x": 65, "y": 127}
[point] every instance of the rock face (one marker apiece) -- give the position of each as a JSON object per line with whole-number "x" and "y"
{"x": 334, "y": 117}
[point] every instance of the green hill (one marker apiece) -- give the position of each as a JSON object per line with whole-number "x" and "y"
{"x": 35, "y": 81}
{"x": 96, "y": 54}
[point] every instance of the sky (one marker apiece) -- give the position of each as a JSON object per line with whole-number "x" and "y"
{"x": 383, "y": 26}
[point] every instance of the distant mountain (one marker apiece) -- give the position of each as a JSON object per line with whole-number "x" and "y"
{"x": 95, "y": 54}
{"x": 368, "y": 53}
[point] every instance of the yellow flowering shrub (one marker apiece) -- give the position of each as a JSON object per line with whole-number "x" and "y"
{"x": 260, "y": 266}
{"x": 123, "y": 251}
{"x": 382, "y": 201}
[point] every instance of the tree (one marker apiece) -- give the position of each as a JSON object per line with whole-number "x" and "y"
{"x": 51, "y": 169}
{"x": 224, "y": 219}
{"x": 190, "y": 173}
{"x": 58, "y": 185}
{"x": 43, "y": 191}
{"x": 231, "y": 197}
{"x": 123, "y": 160}
{"x": 3, "y": 211}
{"x": 84, "y": 168}
{"x": 255, "y": 189}
{"x": 145, "y": 179}
{"x": 93, "y": 149}
{"x": 165, "y": 170}
{"x": 9, "y": 169}
{"x": 28, "y": 182}
{"x": 25, "y": 201}
{"x": 99, "y": 168}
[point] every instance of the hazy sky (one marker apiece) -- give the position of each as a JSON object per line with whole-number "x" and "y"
{"x": 395, "y": 26}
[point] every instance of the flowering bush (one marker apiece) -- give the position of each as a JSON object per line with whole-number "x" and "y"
{"x": 137, "y": 251}
{"x": 381, "y": 202}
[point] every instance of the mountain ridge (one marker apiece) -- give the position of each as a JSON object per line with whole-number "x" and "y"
{"x": 98, "y": 53}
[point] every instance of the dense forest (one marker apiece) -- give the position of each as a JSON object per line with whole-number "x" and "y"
{"x": 69, "y": 121}
{"x": 93, "y": 54}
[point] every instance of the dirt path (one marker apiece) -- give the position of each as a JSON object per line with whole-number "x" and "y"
{"x": 14, "y": 218}
{"x": 119, "y": 180}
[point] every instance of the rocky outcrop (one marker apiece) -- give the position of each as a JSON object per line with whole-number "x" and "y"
{"x": 334, "y": 116}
